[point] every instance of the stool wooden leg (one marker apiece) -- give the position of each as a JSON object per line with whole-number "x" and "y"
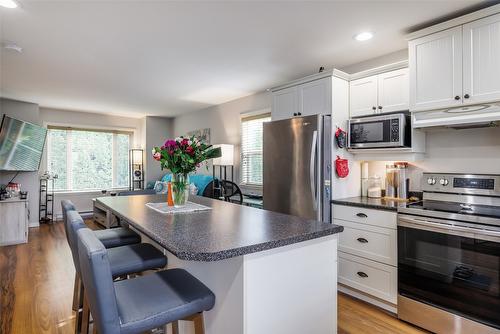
{"x": 85, "y": 315}
{"x": 76, "y": 293}
{"x": 175, "y": 328}
{"x": 199, "y": 324}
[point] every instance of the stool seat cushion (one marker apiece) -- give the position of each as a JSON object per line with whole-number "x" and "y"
{"x": 135, "y": 258}
{"x": 116, "y": 237}
{"x": 154, "y": 300}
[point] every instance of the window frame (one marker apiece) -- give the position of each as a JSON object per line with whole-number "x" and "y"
{"x": 248, "y": 116}
{"x": 114, "y": 130}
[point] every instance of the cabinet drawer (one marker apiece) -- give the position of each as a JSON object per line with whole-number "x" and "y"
{"x": 366, "y": 216}
{"x": 373, "y": 278}
{"x": 371, "y": 242}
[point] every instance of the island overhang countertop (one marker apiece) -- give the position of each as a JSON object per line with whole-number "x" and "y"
{"x": 227, "y": 230}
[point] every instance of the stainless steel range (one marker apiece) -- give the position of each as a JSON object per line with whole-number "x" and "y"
{"x": 449, "y": 255}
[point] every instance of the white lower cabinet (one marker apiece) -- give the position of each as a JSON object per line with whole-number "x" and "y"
{"x": 371, "y": 277}
{"x": 372, "y": 242}
{"x": 368, "y": 254}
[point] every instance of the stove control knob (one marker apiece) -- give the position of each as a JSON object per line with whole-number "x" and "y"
{"x": 443, "y": 182}
{"x": 431, "y": 181}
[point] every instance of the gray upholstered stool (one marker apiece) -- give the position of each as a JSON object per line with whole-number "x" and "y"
{"x": 138, "y": 304}
{"x": 124, "y": 260}
{"x": 114, "y": 237}
{"x": 110, "y": 238}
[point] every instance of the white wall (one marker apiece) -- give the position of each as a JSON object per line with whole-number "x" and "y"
{"x": 156, "y": 131}
{"x": 224, "y": 123}
{"x": 28, "y": 112}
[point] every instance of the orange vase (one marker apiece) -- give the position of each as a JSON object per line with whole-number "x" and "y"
{"x": 170, "y": 200}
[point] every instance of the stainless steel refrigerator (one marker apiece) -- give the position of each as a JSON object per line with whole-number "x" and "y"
{"x": 297, "y": 166}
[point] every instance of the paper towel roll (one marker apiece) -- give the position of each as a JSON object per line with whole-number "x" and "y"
{"x": 364, "y": 170}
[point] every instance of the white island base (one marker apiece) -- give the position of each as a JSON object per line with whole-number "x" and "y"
{"x": 285, "y": 290}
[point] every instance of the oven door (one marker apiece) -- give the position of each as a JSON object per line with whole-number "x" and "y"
{"x": 454, "y": 268}
{"x": 378, "y": 132}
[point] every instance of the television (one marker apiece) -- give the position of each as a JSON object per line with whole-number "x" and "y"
{"x": 21, "y": 145}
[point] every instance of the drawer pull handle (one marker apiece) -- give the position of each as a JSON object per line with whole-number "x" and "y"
{"x": 362, "y": 240}
{"x": 362, "y": 215}
{"x": 362, "y": 274}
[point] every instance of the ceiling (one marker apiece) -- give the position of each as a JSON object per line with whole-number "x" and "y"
{"x": 167, "y": 58}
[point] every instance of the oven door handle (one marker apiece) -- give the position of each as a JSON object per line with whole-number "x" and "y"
{"x": 447, "y": 228}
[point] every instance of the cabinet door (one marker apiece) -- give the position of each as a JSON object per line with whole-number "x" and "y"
{"x": 13, "y": 223}
{"x": 285, "y": 103}
{"x": 481, "y": 68}
{"x": 436, "y": 70}
{"x": 393, "y": 91}
{"x": 315, "y": 97}
{"x": 363, "y": 96}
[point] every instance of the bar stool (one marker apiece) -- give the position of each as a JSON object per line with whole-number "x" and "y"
{"x": 113, "y": 237}
{"x": 124, "y": 260}
{"x": 110, "y": 238}
{"x": 139, "y": 304}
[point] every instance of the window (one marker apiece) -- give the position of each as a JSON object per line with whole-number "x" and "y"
{"x": 88, "y": 159}
{"x": 251, "y": 149}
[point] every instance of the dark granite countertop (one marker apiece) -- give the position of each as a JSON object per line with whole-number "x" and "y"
{"x": 228, "y": 230}
{"x": 371, "y": 203}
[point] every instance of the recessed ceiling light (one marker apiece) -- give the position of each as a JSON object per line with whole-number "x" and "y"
{"x": 8, "y": 3}
{"x": 363, "y": 36}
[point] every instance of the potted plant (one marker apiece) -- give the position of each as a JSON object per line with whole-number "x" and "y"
{"x": 182, "y": 156}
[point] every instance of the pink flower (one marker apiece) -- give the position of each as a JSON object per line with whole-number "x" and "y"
{"x": 170, "y": 144}
{"x": 157, "y": 156}
{"x": 184, "y": 142}
{"x": 190, "y": 150}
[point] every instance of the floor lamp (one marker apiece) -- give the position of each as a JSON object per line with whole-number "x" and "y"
{"x": 225, "y": 160}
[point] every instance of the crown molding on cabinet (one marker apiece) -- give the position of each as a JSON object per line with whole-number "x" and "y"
{"x": 326, "y": 73}
{"x": 378, "y": 70}
{"x": 455, "y": 22}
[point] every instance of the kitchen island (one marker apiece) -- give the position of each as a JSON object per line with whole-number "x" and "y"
{"x": 270, "y": 272}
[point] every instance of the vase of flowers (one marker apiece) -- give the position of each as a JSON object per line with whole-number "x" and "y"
{"x": 182, "y": 156}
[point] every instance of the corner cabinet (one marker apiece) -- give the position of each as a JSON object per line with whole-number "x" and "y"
{"x": 384, "y": 92}
{"x": 311, "y": 95}
{"x": 457, "y": 66}
{"x": 13, "y": 222}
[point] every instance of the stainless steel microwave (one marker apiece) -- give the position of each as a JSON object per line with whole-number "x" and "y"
{"x": 381, "y": 131}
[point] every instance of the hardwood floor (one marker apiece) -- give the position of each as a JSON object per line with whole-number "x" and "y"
{"x": 36, "y": 287}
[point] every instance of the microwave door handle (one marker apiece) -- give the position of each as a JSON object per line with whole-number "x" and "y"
{"x": 312, "y": 169}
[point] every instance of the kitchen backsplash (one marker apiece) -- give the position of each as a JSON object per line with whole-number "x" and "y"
{"x": 458, "y": 151}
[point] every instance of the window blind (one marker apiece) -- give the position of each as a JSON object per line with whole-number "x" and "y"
{"x": 251, "y": 149}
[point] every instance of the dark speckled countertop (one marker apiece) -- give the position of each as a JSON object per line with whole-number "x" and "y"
{"x": 228, "y": 230}
{"x": 370, "y": 203}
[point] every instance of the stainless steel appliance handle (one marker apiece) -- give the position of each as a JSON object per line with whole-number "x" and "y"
{"x": 312, "y": 168}
{"x": 447, "y": 227}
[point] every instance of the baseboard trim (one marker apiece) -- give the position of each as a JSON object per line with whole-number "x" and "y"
{"x": 369, "y": 299}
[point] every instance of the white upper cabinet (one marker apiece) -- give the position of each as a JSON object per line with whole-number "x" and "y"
{"x": 315, "y": 97}
{"x": 285, "y": 103}
{"x": 363, "y": 96}
{"x": 312, "y": 97}
{"x": 436, "y": 70}
{"x": 393, "y": 92}
{"x": 384, "y": 92}
{"x": 481, "y": 57}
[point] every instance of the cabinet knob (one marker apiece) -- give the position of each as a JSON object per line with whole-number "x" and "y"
{"x": 466, "y": 96}
{"x": 361, "y": 215}
{"x": 362, "y": 274}
{"x": 299, "y": 113}
{"x": 362, "y": 240}
{"x": 374, "y": 108}
{"x": 380, "y": 107}
{"x": 294, "y": 114}
{"x": 457, "y": 97}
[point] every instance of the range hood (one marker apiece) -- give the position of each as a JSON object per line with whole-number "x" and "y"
{"x": 475, "y": 116}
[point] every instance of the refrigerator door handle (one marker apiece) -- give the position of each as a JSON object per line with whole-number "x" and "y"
{"x": 312, "y": 168}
